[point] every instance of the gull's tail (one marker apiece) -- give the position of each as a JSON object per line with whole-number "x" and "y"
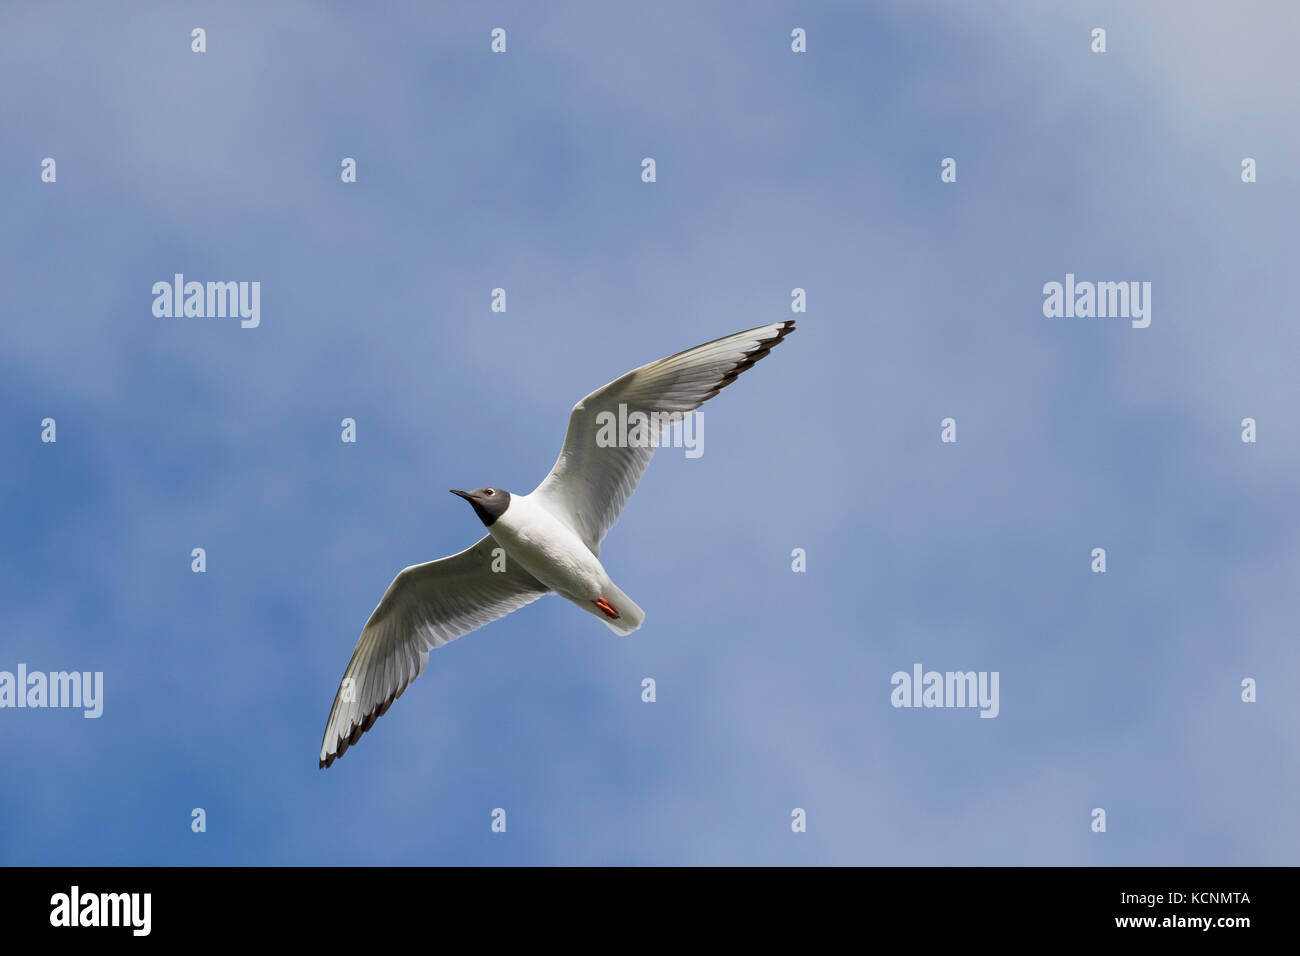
{"x": 619, "y": 612}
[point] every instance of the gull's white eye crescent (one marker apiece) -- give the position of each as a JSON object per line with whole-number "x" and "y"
{"x": 489, "y": 492}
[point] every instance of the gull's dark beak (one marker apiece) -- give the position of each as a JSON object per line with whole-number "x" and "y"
{"x": 463, "y": 494}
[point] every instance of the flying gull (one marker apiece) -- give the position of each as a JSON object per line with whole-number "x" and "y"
{"x": 550, "y": 537}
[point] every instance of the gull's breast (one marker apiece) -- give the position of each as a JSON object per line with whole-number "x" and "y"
{"x": 548, "y": 549}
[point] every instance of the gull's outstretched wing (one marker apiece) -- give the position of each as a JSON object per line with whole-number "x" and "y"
{"x": 590, "y": 484}
{"x": 425, "y": 607}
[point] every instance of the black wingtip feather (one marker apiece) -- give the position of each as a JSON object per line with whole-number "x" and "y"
{"x": 358, "y": 729}
{"x": 751, "y": 357}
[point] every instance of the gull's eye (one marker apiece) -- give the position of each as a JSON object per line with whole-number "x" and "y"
{"x": 489, "y": 492}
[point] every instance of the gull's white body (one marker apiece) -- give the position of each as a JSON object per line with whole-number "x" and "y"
{"x": 551, "y": 537}
{"x": 552, "y": 552}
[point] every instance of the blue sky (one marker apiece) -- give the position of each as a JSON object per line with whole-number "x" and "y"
{"x": 775, "y": 171}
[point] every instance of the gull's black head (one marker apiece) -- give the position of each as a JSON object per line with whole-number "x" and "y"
{"x": 488, "y": 503}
